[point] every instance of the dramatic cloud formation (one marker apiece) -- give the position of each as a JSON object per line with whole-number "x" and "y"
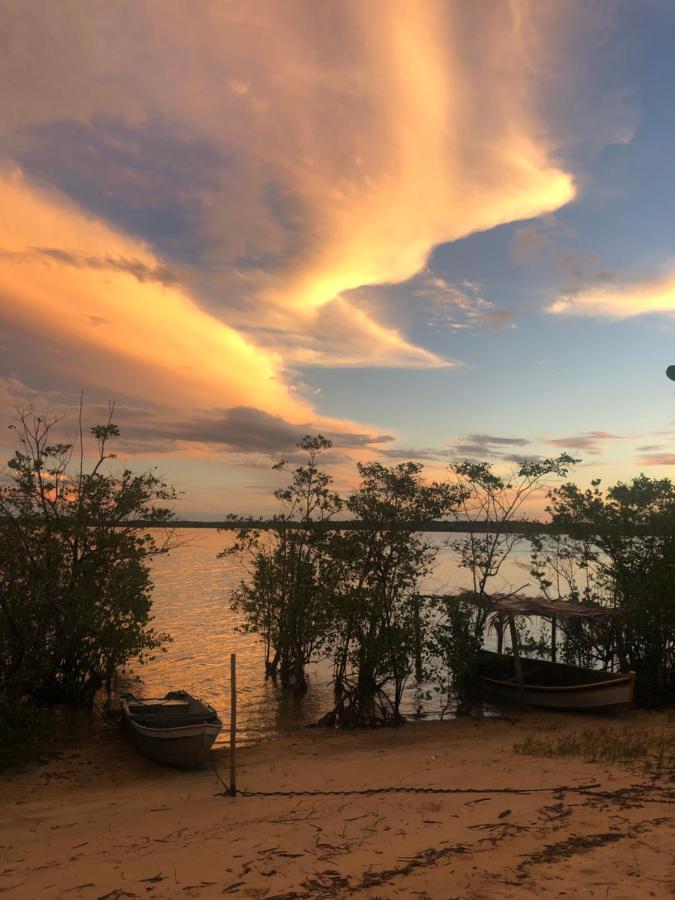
{"x": 138, "y": 335}
{"x": 203, "y": 204}
{"x": 360, "y": 137}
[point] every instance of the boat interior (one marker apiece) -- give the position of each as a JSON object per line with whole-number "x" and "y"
{"x": 541, "y": 672}
{"x": 176, "y": 708}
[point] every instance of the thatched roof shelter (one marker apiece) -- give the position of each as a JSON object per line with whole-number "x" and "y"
{"x": 502, "y": 610}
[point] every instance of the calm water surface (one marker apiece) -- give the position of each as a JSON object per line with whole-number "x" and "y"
{"x": 191, "y": 603}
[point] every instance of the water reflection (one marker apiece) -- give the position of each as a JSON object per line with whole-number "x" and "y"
{"x": 191, "y": 603}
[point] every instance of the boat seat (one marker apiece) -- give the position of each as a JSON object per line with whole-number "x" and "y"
{"x": 158, "y": 706}
{"x": 172, "y": 702}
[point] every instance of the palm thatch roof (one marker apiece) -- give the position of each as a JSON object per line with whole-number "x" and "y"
{"x": 516, "y": 604}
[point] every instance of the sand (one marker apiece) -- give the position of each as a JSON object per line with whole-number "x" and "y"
{"x": 96, "y": 820}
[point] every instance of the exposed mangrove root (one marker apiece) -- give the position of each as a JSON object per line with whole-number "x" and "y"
{"x": 356, "y": 707}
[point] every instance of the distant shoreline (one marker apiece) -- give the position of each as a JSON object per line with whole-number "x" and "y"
{"x": 342, "y": 525}
{"x": 524, "y": 528}
{"x": 347, "y": 525}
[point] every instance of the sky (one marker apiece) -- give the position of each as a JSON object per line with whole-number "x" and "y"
{"x": 429, "y": 230}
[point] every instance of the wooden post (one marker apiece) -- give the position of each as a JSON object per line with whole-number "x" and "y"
{"x": 516, "y": 662}
{"x": 417, "y": 626}
{"x": 554, "y": 639}
{"x": 233, "y": 724}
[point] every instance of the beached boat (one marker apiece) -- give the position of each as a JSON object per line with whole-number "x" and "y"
{"x": 177, "y": 729}
{"x": 537, "y": 682}
{"x": 555, "y": 685}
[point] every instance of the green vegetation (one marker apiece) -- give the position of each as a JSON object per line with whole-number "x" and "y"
{"x": 315, "y": 589}
{"x": 345, "y": 595}
{"x": 287, "y": 595}
{"x": 75, "y": 588}
{"x": 352, "y": 595}
{"x": 600, "y": 561}
{"x": 652, "y": 748}
{"x": 459, "y": 628}
{"x": 376, "y": 633}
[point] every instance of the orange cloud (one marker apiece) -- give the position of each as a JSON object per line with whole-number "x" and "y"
{"x": 622, "y": 301}
{"x": 142, "y": 338}
{"x": 356, "y": 136}
{"x": 451, "y": 150}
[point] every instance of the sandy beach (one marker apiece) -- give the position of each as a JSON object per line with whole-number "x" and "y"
{"x": 99, "y": 821}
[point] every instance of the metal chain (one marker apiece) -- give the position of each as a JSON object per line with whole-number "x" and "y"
{"x": 366, "y": 792}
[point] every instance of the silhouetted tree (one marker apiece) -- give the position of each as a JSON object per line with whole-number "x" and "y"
{"x": 287, "y": 596}
{"x": 619, "y": 550}
{"x": 496, "y": 500}
{"x": 75, "y": 587}
{"x": 376, "y": 629}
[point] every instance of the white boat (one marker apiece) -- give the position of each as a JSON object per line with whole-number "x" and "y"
{"x": 177, "y": 730}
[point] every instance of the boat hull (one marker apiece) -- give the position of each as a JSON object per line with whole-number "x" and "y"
{"x": 557, "y": 686}
{"x": 184, "y": 747}
{"x": 614, "y": 694}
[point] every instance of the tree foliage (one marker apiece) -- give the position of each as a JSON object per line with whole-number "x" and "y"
{"x": 314, "y": 590}
{"x": 75, "y": 587}
{"x": 495, "y": 500}
{"x": 377, "y": 628}
{"x": 287, "y": 594}
{"x": 618, "y": 550}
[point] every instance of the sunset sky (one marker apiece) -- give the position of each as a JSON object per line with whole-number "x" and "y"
{"x": 427, "y": 229}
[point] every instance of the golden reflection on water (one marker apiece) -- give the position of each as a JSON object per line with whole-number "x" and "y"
{"x": 191, "y": 603}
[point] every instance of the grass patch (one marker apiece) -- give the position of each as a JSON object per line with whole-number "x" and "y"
{"x": 652, "y": 748}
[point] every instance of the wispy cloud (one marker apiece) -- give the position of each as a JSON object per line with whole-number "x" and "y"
{"x": 417, "y": 453}
{"x": 489, "y": 446}
{"x": 342, "y": 334}
{"x": 61, "y": 257}
{"x": 246, "y": 429}
{"x": 456, "y": 306}
{"x": 656, "y": 459}
{"x": 538, "y": 243}
{"x": 620, "y": 301}
{"x": 593, "y": 442}
{"x": 649, "y": 448}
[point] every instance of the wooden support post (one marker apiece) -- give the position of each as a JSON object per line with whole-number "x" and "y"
{"x": 233, "y": 724}
{"x": 417, "y": 625}
{"x": 516, "y": 662}
{"x": 554, "y": 639}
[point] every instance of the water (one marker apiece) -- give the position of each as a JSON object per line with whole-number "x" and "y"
{"x": 191, "y": 603}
